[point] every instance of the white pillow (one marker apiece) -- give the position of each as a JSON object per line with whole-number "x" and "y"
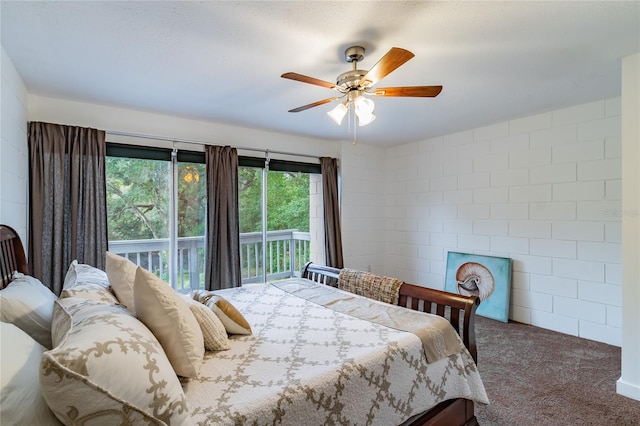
{"x": 21, "y": 401}
{"x": 108, "y": 368}
{"x": 213, "y": 331}
{"x": 122, "y": 274}
{"x": 28, "y": 304}
{"x": 169, "y": 318}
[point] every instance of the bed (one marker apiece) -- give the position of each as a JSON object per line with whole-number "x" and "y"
{"x": 314, "y": 354}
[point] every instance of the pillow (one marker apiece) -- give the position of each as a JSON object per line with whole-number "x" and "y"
{"x": 108, "y": 368}
{"x": 83, "y": 273}
{"x": 28, "y": 304}
{"x": 87, "y": 282}
{"x": 122, "y": 274}
{"x": 90, "y": 291}
{"x": 213, "y": 331}
{"x": 232, "y": 319}
{"x": 21, "y": 401}
{"x": 169, "y": 318}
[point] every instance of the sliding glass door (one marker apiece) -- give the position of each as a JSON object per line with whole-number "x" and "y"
{"x": 156, "y": 214}
{"x": 156, "y": 205}
{"x": 275, "y": 217}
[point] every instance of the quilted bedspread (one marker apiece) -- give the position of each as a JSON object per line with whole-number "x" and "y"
{"x": 306, "y": 364}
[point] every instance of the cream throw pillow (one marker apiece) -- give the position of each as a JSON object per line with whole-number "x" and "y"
{"x": 90, "y": 291}
{"x": 78, "y": 273}
{"x": 108, "y": 368}
{"x": 169, "y": 318}
{"x": 87, "y": 282}
{"x": 21, "y": 401}
{"x": 213, "y": 331}
{"x": 232, "y": 319}
{"x": 122, "y": 274}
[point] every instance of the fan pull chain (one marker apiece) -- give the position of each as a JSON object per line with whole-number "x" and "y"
{"x": 355, "y": 130}
{"x": 352, "y": 112}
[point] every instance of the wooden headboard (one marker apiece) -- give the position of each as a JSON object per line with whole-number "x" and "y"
{"x": 12, "y": 256}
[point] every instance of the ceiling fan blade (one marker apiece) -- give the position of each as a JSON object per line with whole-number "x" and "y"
{"x": 315, "y": 104}
{"x": 409, "y": 91}
{"x": 306, "y": 79}
{"x": 387, "y": 64}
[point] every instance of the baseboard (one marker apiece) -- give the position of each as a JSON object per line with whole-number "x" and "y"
{"x": 629, "y": 390}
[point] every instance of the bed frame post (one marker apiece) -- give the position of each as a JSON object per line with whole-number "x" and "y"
{"x": 12, "y": 256}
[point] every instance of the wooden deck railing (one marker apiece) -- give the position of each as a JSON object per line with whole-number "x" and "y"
{"x": 287, "y": 253}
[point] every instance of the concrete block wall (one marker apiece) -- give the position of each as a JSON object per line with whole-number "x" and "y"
{"x": 544, "y": 190}
{"x": 362, "y": 207}
{"x": 13, "y": 148}
{"x": 316, "y": 221}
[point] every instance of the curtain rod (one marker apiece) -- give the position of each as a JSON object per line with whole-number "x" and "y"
{"x": 196, "y": 142}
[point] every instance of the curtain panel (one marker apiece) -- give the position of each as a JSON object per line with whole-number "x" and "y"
{"x": 67, "y": 200}
{"x": 222, "y": 268}
{"x": 331, "y": 204}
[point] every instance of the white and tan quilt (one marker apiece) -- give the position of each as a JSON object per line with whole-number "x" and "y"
{"x": 307, "y": 364}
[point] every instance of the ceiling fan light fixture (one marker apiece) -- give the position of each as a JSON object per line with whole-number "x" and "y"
{"x": 364, "y": 110}
{"x": 364, "y": 119}
{"x": 337, "y": 114}
{"x": 363, "y": 105}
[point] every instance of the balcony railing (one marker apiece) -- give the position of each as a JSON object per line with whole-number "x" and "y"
{"x": 287, "y": 252}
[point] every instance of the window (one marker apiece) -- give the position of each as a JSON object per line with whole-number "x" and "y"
{"x": 156, "y": 207}
{"x": 276, "y": 217}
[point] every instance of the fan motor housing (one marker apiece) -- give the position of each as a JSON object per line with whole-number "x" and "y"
{"x": 350, "y": 79}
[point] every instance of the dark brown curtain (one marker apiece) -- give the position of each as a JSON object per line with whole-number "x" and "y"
{"x": 222, "y": 268}
{"x": 332, "y": 232}
{"x": 67, "y": 201}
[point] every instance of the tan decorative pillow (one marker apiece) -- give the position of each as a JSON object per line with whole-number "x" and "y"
{"x": 169, "y": 318}
{"x": 232, "y": 319}
{"x": 213, "y": 331}
{"x": 122, "y": 274}
{"x": 108, "y": 368}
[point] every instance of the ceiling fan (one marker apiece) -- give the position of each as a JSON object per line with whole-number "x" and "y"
{"x": 355, "y": 84}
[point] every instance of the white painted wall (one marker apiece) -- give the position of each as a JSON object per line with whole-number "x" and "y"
{"x": 13, "y": 148}
{"x": 629, "y": 382}
{"x": 316, "y": 220}
{"x": 362, "y": 207}
{"x": 544, "y": 190}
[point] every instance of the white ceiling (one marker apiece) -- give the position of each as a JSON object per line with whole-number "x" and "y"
{"x": 222, "y": 61}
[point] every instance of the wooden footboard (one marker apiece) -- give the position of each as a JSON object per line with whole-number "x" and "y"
{"x": 459, "y": 310}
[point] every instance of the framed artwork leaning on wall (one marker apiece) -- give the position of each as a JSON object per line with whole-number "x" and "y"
{"x": 488, "y": 277}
